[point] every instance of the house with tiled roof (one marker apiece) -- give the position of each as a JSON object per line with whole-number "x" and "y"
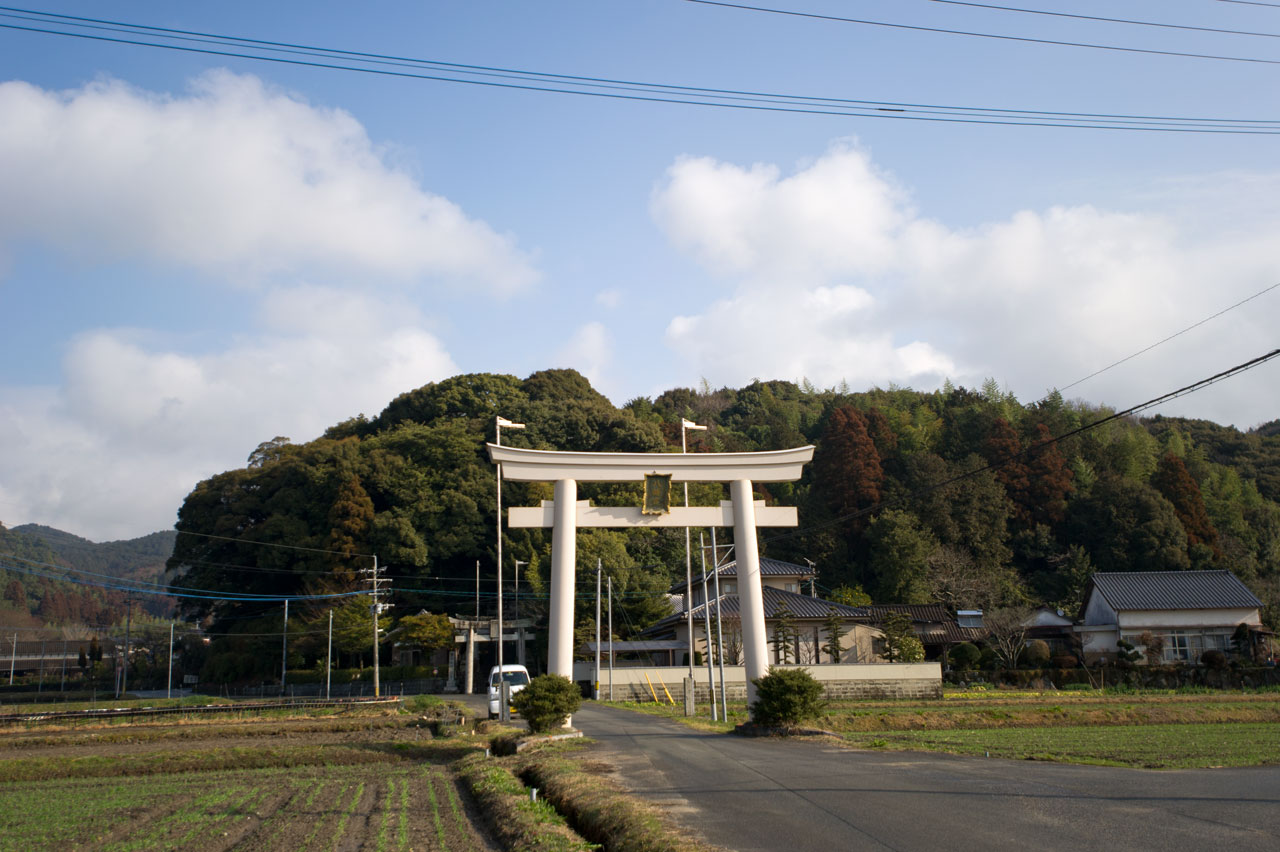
{"x": 1191, "y": 611}
{"x": 937, "y": 627}
{"x": 781, "y": 584}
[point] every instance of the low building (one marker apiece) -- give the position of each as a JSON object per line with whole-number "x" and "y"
{"x": 937, "y": 627}
{"x": 1190, "y": 611}
{"x": 781, "y": 583}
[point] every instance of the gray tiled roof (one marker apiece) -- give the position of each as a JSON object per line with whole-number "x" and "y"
{"x": 1174, "y": 590}
{"x": 801, "y": 606}
{"x": 768, "y": 568}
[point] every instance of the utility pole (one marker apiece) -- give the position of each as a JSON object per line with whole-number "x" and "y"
{"x": 706, "y": 627}
{"x": 715, "y": 561}
{"x": 284, "y": 648}
{"x": 498, "y": 423}
{"x": 13, "y": 657}
{"x": 477, "y": 590}
{"x": 611, "y": 638}
{"x": 515, "y": 605}
{"x": 689, "y": 709}
{"x": 124, "y": 672}
{"x": 376, "y": 582}
{"x": 597, "y": 678}
{"x": 168, "y": 692}
{"x": 328, "y": 657}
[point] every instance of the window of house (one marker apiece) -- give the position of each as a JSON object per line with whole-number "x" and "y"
{"x": 1176, "y": 647}
{"x": 792, "y": 587}
{"x": 728, "y": 587}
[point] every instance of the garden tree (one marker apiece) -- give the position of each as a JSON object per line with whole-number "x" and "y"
{"x": 547, "y": 702}
{"x": 1126, "y": 652}
{"x": 846, "y": 467}
{"x": 352, "y": 628}
{"x": 965, "y": 656}
{"x": 1128, "y": 526}
{"x": 1007, "y": 628}
{"x": 957, "y": 582}
{"x": 833, "y": 632}
{"x": 785, "y": 635}
{"x": 83, "y": 661}
{"x": 428, "y": 631}
{"x": 849, "y": 596}
{"x": 1152, "y": 647}
{"x": 899, "y": 552}
{"x": 900, "y": 644}
{"x": 786, "y": 697}
{"x": 1173, "y": 481}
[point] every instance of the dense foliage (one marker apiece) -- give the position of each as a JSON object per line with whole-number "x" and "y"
{"x": 786, "y": 697}
{"x": 547, "y": 702}
{"x": 956, "y": 495}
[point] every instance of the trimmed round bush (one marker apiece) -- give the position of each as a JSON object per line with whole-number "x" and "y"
{"x": 1037, "y": 654}
{"x": 547, "y": 702}
{"x": 1213, "y": 660}
{"x": 786, "y": 697}
{"x": 965, "y": 656}
{"x": 1065, "y": 661}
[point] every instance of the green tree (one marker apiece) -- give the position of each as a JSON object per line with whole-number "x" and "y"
{"x": 786, "y": 697}
{"x": 900, "y": 643}
{"x": 785, "y": 634}
{"x": 428, "y": 631}
{"x": 353, "y": 628}
{"x": 547, "y": 702}
{"x": 899, "y": 556}
{"x": 849, "y": 596}
{"x": 1128, "y": 526}
{"x": 833, "y": 632}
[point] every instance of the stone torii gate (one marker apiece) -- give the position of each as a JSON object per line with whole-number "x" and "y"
{"x": 565, "y": 514}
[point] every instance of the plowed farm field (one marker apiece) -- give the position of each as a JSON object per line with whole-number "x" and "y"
{"x": 347, "y": 783}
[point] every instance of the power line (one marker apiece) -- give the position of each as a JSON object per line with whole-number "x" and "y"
{"x": 1194, "y": 325}
{"x": 1252, "y": 3}
{"x": 1131, "y": 21}
{"x": 345, "y": 553}
{"x": 1034, "y": 448}
{"x": 974, "y": 34}
{"x": 687, "y": 95}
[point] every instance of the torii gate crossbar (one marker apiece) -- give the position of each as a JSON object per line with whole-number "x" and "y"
{"x": 566, "y": 513}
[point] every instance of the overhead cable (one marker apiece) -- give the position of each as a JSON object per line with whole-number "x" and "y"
{"x": 533, "y": 81}
{"x": 974, "y": 34}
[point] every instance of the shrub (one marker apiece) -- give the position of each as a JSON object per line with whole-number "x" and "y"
{"x": 1064, "y": 661}
{"x": 786, "y": 697}
{"x": 1037, "y": 654}
{"x": 989, "y": 660}
{"x": 965, "y": 656}
{"x": 547, "y": 701}
{"x": 1213, "y": 660}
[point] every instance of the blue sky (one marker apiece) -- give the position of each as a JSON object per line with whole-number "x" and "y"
{"x": 198, "y": 253}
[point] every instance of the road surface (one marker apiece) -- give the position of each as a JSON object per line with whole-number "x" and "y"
{"x": 810, "y": 796}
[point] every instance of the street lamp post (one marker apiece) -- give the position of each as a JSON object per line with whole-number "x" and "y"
{"x": 515, "y": 605}
{"x": 499, "y": 422}
{"x": 685, "y": 426}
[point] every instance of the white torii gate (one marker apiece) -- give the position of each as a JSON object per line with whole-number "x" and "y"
{"x": 566, "y": 513}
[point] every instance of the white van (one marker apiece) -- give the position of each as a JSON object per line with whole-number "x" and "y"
{"x": 516, "y": 676}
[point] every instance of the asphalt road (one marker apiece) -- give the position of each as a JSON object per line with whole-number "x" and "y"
{"x": 793, "y": 795}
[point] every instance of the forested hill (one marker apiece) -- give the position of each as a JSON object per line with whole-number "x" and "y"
{"x": 38, "y": 555}
{"x": 891, "y": 502}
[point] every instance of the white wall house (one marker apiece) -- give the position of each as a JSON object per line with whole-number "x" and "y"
{"x": 1192, "y": 611}
{"x": 783, "y": 584}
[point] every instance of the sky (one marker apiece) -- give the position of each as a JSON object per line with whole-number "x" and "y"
{"x": 201, "y": 252}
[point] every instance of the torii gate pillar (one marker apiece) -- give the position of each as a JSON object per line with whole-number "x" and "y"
{"x": 566, "y": 514}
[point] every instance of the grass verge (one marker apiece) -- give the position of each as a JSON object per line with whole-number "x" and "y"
{"x": 602, "y": 813}
{"x": 515, "y": 820}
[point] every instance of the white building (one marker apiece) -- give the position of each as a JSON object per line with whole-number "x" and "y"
{"x": 1192, "y": 611}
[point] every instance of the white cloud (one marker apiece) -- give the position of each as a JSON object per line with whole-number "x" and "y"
{"x": 233, "y": 178}
{"x": 836, "y": 277}
{"x": 114, "y": 451}
{"x": 590, "y": 352}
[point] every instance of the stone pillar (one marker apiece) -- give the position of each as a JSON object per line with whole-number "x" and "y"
{"x": 564, "y": 535}
{"x": 746, "y": 550}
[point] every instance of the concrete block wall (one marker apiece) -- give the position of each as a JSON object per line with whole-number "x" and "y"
{"x": 840, "y": 682}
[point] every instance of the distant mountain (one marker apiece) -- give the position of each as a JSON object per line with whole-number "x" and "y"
{"x": 139, "y": 560}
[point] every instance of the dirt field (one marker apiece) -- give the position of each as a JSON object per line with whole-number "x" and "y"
{"x": 327, "y": 784}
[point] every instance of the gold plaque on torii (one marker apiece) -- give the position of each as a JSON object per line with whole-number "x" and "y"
{"x": 657, "y": 494}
